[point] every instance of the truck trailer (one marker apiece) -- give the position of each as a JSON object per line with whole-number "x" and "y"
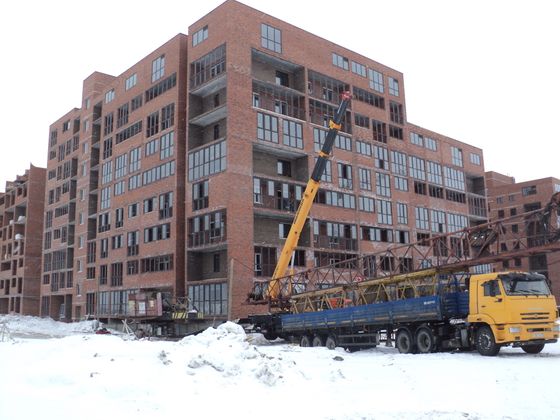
{"x": 479, "y": 311}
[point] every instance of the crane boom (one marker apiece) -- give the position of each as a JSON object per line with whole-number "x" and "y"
{"x": 309, "y": 194}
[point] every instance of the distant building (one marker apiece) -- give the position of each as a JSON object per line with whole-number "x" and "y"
{"x": 21, "y": 226}
{"x": 182, "y": 175}
{"x": 508, "y": 198}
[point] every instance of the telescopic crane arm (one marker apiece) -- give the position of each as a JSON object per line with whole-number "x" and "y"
{"x": 309, "y": 194}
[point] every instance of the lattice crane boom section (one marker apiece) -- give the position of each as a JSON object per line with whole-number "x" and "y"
{"x": 410, "y": 268}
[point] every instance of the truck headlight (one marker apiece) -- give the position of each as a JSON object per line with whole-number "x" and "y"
{"x": 556, "y": 328}
{"x": 514, "y": 330}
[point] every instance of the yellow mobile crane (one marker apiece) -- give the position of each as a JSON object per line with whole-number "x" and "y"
{"x": 273, "y": 290}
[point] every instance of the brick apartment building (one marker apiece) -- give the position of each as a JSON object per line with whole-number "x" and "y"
{"x": 182, "y": 175}
{"x": 114, "y": 217}
{"x": 507, "y": 198}
{"x": 21, "y": 226}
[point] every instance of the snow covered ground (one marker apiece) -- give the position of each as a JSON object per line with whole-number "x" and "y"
{"x": 222, "y": 373}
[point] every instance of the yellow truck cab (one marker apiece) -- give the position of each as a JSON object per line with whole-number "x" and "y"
{"x": 512, "y": 308}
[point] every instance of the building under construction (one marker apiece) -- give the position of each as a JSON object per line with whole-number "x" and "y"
{"x": 181, "y": 176}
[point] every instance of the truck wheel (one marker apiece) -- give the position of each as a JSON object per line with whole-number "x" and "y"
{"x": 404, "y": 341}
{"x": 486, "y": 343}
{"x": 330, "y": 342}
{"x": 425, "y": 340}
{"x": 305, "y": 341}
{"x": 533, "y": 348}
{"x": 317, "y": 341}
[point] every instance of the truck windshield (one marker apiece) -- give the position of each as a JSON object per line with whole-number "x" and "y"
{"x": 525, "y": 284}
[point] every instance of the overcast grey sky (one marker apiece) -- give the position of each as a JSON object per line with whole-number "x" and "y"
{"x": 486, "y": 72}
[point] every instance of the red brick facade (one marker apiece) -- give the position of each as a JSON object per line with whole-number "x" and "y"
{"x": 507, "y": 198}
{"x": 21, "y": 224}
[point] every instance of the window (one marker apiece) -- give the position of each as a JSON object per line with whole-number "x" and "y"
{"x": 369, "y": 98}
{"x": 396, "y": 112}
{"x": 102, "y": 274}
{"x": 149, "y": 204}
{"x": 454, "y": 179}
{"x": 376, "y": 234}
{"x": 158, "y": 68}
{"x": 156, "y": 173}
{"x": 108, "y": 124}
{"x": 434, "y": 173}
{"x": 152, "y": 124}
{"x": 344, "y": 176}
{"x": 530, "y": 190}
{"x": 402, "y": 214}
{"x": 199, "y": 36}
{"x": 393, "y": 87}
{"x": 359, "y": 69}
{"x": 430, "y": 143}
{"x": 128, "y": 132}
{"x": 384, "y": 212}
{"x": 361, "y": 120}
{"x": 456, "y": 222}
{"x": 167, "y": 116}
{"x": 456, "y": 156}
{"x": 267, "y": 127}
{"x": 207, "y": 161}
{"x": 109, "y": 96}
{"x": 136, "y": 103}
{"x": 381, "y": 157}
{"x": 292, "y": 134}
{"x": 116, "y": 241}
{"x": 166, "y": 146}
{"x": 119, "y": 217}
{"x": 438, "y": 221}
{"x": 376, "y": 80}
{"x": 422, "y": 221}
{"x": 208, "y": 67}
{"x": 475, "y": 159}
{"x": 165, "y": 205}
{"x": 209, "y": 299}
{"x": 416, "y": 166}
{"x": 284, "y": 168}
{"x": 200, "y": 195}
{"x": 366, "y": 204}
{"x": 335, "y": 199}
{"x": 157, "y": 233}
{"x": 216, "y": 263}
{"x": 107, "y": 172}
{"x": 135, "y": 156}
{"x": 271, "y": 38}
{"x": 416, "y": 139}
{"x": 120, "y": 188}
{"x": 364, "y": 148}
{"x": 382, "y": 184}
{"x": 121, "y": 166}
{"x": 130, "y": 82}
{"x": 340, "y": 61}
{"x": 282, "y": 79}
{"x": 365, "y": 179}
{"x": 107, "y": 148}
{"x": 117, "y": 274}
{"x": 395, "y": 132}
{"x": 398, "y": 163}
{"x": 283, "y": 230}
{"x": 401, "y": 184}
{"x": 133, "y": 210}
{"x": 105, "y": 198}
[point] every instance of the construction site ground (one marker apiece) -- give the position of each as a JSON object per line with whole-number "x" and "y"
{"x": 52, "y": 370}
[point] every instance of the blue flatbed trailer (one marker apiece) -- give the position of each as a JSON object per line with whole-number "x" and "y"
{"x": 361, "y": 326}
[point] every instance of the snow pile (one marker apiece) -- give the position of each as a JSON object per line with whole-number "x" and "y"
{"x": 22, "y": 325}
{"x": 227, "y": 350}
